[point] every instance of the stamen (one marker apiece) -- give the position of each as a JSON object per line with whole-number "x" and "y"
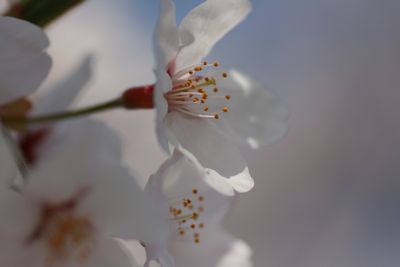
{"x": 186, "y": 213}
{"x": 192, "y": 93}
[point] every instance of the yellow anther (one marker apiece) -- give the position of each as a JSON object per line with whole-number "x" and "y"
{"x": 215, "y": 90}
{"x": 205, "y": 109}
{"x": 228, "y": 97}
{"x": 205, "y": 63}
{"x": 225, "y": 109}
{"x": 216, "y": 116}
{"x": 224, "y": 74}
{"x": 198, "y": 68}
{"x": 216, "y": 64}
{"x": 194, "y": 191}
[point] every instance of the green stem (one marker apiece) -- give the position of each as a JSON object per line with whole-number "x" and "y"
{"x": 65, "y": 115}
{"x": 41, "y": 12}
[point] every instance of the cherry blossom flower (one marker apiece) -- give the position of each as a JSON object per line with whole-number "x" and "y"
{"x": 203, "y": 111}
{"x": 78, "y": 198}
{"x": 197, "y": 237}
{"x": 23, "y": 66}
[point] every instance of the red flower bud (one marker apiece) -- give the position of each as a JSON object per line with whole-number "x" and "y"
{"x": 138, "y": 97}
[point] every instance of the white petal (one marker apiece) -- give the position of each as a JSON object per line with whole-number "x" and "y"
{"x": 216, "y": 249}
{"x": 175, "y": 180}
{"x": 255, "y": 116}
{"x": 19, "y": 254}
{"x": 23, "y": 62}
{"x": 70, "y": 158}
{"x": 7, "y": 164}
{"x": 159, "y": 254}
{"x": 166, "y": 36}
{"x": 207, "y": 24}
{"x": 18, "y": 216}
{"x": 65, "y": 92}
{"x": 163, "y": 85}
{"x": 200, "y": 138}
{"x": 121, "y": 209}
{"x": 109, "y": 252}
{"x": 178, "y": 176}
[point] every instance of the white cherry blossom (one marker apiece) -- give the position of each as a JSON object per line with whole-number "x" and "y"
{"x": 206, "y": 112}
{"x": 77, "y": 199}
{"x": 24, "y": 64}
{"x": 196, "y": 210}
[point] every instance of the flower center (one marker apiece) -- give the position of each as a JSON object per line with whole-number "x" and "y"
{"x": 196, "y": 94}
{"x": 186, "y": 214}
{"x": 67, "y": 235}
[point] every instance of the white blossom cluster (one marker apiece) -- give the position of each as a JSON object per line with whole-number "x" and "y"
{"x": 67, "y": 199}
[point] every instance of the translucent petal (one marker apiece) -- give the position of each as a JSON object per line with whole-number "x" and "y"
{"x": 205, "y": 25}
{"x": 216, "y": 153}
{"x": 255, "y": 116}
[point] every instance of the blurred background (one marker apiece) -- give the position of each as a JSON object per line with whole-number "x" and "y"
{"x": 328, "y": 194}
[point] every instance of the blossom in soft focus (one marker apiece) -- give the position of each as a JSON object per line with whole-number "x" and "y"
{"x": 206, "y": 112}
{"x": 23, "y": 67}
{"x": 77, "y": 198}
{"x": 197, "y": 237}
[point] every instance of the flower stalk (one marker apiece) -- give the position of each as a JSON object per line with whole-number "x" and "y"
{"x": 140, "y": 97}
{"x": 64, "y": 115}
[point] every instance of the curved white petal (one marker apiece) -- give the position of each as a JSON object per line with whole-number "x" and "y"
{"x": 207, "y": 24}
{"x": 23, "y": 62}
{"x": 109, "y": 252}
{"x": 255, "y": 116}
{"x": 216, "y": 249}
{"x": 200, "y": 139}
{"x": 166, "y": 36}
{"x": 66, "y": 91}
{"x": 163, "y": 85}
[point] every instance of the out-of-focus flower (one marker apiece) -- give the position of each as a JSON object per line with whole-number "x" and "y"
{"x": 197, "y": 237}
{"x": 58, "y": 98}
{"x": 23, "y": 66}
{"x": 24, "y": 63}
{"x": 77, "y": 199}
{"x": 202, "y": 111}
